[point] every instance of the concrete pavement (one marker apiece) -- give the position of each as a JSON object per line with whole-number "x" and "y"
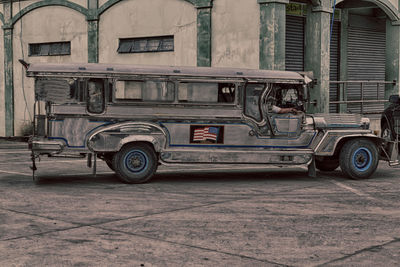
{"x": 229, "y": 216}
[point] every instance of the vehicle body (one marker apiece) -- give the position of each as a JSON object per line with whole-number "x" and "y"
{"x": 390, "y": 120}
{"x": 136, "y": 117}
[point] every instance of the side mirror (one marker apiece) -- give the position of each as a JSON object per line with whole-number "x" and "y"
{"x": 395, "y": 99}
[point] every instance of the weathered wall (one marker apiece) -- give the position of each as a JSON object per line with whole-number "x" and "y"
{"x": 2, "y": 109}
{"x": 146, "y": 18}
{"x": 235, "y": 33}
{"x": 47, "y": 24}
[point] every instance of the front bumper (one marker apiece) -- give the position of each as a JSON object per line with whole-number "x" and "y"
{"x": 45, "y": 146}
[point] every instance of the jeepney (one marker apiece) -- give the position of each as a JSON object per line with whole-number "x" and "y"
{"x": 136, "y": 117}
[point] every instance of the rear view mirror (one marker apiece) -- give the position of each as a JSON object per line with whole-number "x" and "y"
{"x": 394, "y": 99}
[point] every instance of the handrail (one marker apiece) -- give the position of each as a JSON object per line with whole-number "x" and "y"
{"x": 378, "y": 100}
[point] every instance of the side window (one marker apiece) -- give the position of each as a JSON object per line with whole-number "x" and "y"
{"x": 206, "y": 92}
{"x": 252, "y": 100}
{"x": 226, "y": 92}
{"x": 198, "y": 92}
{"x": 95, "y": 96}
{"x": 57, "y": 90}
{"x": 288, "y": 96}
{"x": 163, "y": 91}
{"x": 128, "y": 90}
{"x": 159, "y": 91}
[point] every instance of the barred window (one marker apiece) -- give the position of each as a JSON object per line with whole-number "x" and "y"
{"x": 50, "y": 49}
{"x": 146, "y": 44}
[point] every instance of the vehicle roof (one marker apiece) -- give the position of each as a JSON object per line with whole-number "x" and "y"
{"x": 42, "y": 69}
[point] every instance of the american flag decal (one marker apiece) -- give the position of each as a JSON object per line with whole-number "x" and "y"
{"x": 206, "y": 134}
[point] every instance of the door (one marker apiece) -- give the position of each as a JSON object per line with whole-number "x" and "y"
{"x": 284, "y": 109}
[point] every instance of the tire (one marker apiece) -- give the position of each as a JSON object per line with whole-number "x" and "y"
{"x": 327, "y": 164}
{"x": 135, "y": 163}
{"x": 359, "y": 158}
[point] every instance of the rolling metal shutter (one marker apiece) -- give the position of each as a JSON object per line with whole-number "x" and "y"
{"x": 366, "y": 61}
{"x": 334, "y": 72}
{"x": 295, "y": 43}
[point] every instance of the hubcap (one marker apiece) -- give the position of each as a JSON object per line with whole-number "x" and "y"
{"x": 136, "y": 161}
{"x": 362, "y": 159}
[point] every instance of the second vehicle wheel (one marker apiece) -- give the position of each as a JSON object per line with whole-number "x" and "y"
{"x": 359, "y": 158}
{"x": 386, "y": 132}
{"x": 135, "y": 163}
{"x": 327, "y": 164}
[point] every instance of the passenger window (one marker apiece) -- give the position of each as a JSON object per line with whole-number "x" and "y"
{"x": 159, "y": 91}
{"x": 198, "y": 92}
{"x": 251, "y": 104}
{"x": 145, "y": 90}
{"x": 226, "y": 93}
{"x": 59, "y": 91}
{"x": 131, "y": 90}
{"x": 95, "y": 99}
{"x": 206, "y": 92}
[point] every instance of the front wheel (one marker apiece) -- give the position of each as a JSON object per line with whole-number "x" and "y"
{"x": 359, "y": 158}
{"x": 135, "y": 163}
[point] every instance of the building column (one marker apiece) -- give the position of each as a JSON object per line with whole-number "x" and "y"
{"x": 8, "y": 70}
{"x": 317, "y": 54}
{"x": 93, "y": 31}
{"x": 272, "y": 34}
{"x": 392, "y": 57}
{"x": 204, "y": 33}
{"x": 344, "y": 37}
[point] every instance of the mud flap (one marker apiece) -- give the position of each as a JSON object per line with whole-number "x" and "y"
{"x": 89, "y": 162}
{"x": 312, "y": 172}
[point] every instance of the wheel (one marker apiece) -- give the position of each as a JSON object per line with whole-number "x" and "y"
{"x": 327, "y": 164}
{"x": 359, "y": 158}
{"x": 386, "y": 133}
{"x": 135, "y": 163}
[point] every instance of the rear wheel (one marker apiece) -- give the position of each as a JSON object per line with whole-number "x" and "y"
{"x": 135, "y": 163}
{"x": 359, "y": 158}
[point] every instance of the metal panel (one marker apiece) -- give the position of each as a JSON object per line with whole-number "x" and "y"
{"x": 295, "y": 26}
{"x": 334, "y": 73}
{"x": 366, "y": 61}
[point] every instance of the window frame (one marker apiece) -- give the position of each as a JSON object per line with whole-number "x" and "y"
{"x": 103, "y": 95}
{"x": 265, "y": 85}
{"x": 130, "y": 44}
{"x": 142, "y": 101}
{"x": 51, "y": 47}
{"x": 218, "y": 82}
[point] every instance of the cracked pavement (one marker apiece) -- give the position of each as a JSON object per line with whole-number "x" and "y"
{"x": 194, "y": 216}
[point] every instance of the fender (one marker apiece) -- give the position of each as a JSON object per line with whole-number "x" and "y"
{"x": 111, "y": 138}
{"x": 329, "y": 143}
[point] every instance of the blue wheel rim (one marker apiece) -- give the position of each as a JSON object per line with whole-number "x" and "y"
{"x": 136, "y": 161}
{"x": 362, "y": 159}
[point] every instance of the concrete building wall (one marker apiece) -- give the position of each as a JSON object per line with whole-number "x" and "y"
{"x": 147, "y": 18}
{"x": 47, "y": 24}
{"x": 235, "y": 33}
{"x": 219, "y": 33}
{"x": 2, "y": 107}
